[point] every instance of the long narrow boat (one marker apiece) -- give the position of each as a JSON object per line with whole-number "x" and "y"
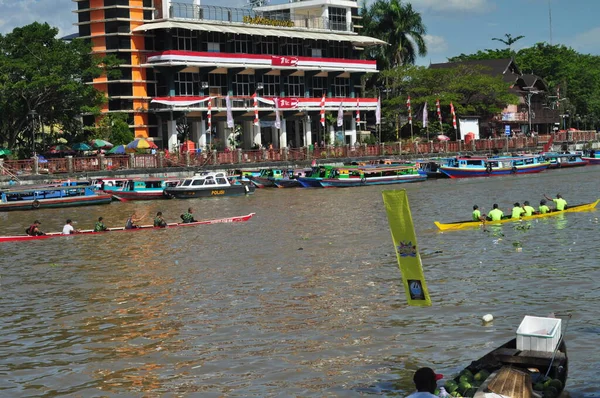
{"x": 562, "y": 160}
{"x": 466, "y": 167}
{"x": 143, "y": 189}
{"x": 343, "y": 177}
{"x": 471, "y": 223}
{"x": 122, "y": 229}
{"x": 511, "y": 372}
{"x": 593, "y": 156}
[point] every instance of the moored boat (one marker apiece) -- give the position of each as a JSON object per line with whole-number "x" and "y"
{"x": 467, "y": 167}
{"x": 344, "y": 177}
{"x": 14, "y": 238}
{"x": 432, "y": 168}
{"x": 47, "y": 197}
{"x": 592, "y": 157}
{"x": 471, "y": 223}
{"x": 208, "y": 184}
{"x": 561, "y": 160}
{"x": 144, "y": 189}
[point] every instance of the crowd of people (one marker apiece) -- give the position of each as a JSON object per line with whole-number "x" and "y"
{"x": 518, "y": 210}
{"x": 131, "y": 223}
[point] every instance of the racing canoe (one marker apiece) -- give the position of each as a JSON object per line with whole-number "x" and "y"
{"x": 471, "y": 224}
{"x": 122, "y": 229}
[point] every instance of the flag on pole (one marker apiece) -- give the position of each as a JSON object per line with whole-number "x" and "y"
{"x": 209, "y": 114}
{"x": 230, "y": 123}
{"x": 557, "y": 97}
{"x": 277, "y": 116}
{"x": 409, "y": 110}
{"x": 405, "y": 243}
{"x": 378, "y": 111}
{"x": 453, "y": 115}
{"x": 340, "y": 117}
{"x": 256, "y": 121}
{"x": 439, "y": 111}
{"x": 425, "y": 116}
{"x": 357, "y": 111}
{"x": 323, "y": 111}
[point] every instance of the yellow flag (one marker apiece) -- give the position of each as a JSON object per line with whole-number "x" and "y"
{"x": 407, "y": 251}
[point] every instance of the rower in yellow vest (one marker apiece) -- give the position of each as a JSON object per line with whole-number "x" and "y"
{"x": 477, "y": 214}
{"x": 495, "y": 214}
{"x": 517, "y": 211}
{"x": 543, "y": 209}
{"x": 529, "y": 211}
{"x": 559, "y": 202}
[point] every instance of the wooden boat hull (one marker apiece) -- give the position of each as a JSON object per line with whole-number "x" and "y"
{"x": 357, "y": 182}
{"x": 287, "y": 183}
{"x": 472, "y": 224}
{"x": 207, "y": 192}
{"x": 17, "y": 238}
{"x": 99, "y": 199}
{"x": 508, "y": 360}
{"x": 262, "y": 182}
{"x": 469, "y": 172}
{"x": 310, "y": 182}
{"x": 134, "y": 195}
{"x": 592, "y": 160}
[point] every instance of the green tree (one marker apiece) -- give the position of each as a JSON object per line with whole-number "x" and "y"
{"x": 509, "y": 40}
{"x": 400, "y": 26}
{"x": 41, "y": 73}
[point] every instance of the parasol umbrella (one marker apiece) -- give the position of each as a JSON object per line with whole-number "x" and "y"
{"x": 118, "y": 150}
{"x": 443, "y": 137}
{"x": 82, "y": 146}
{"x": 4, "y": 151}
{"x": 140, "y": 143}
{"x": 59, "y": 148}
{"x": 100, "y": 144}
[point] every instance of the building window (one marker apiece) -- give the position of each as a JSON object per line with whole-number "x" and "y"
{"x": 217, "y": 83}
{"x": 271, "y": 85}
{"x": 184, "y": 84}
{"x": 316, "y": 52}
{"x": 338, "y": 50}
{"x": 182, "y": 39}
{"x": 267, "y": 45}
{"x": 213, "y": 47}
{"x": 243, "y": 84}
{"x": 337, "y": 18}
{"x": 292, "y": 47}
{"x": 211, "y": 41}
{"x": 112, "y": 13}
{"x": 83, "y": 5}
{"x": 83, "y": 17}
{"x": 295, "y": 86}
{"x": 319, "y": 86}
{"x": 341, "y": 87}
{"x": 242, "y": 44}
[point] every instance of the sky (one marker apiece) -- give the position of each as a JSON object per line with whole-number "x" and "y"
{"x": 453, "y": 26}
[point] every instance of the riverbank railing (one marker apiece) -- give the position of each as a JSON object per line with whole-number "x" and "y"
{"x": 228, "y": 157}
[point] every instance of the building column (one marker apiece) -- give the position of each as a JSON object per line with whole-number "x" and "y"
{"x": 274, "y": 137}
{"x": 172, "y": 143}
{"x": 306, "y": 122}
{"x": 196, "y": 134}
{"x": 352, "y": 132}
{"x": 247, "y": 129}
{"x": 297, "y": 133}
{"x": 201, "y": 126}
{"x": 221, "y": 134}
{"x": 283, "y": 134}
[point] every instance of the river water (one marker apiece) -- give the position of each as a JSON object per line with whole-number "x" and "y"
{"x": 304, "y": 300}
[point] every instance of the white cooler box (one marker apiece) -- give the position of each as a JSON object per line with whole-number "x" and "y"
{"x": 539, "y": 334}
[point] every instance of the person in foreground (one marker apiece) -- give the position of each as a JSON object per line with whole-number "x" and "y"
{"x": 132, "y": 221}
{"x": 34, "y": 229}
{"x": 425, "y": 381}
{"x": 529, "y": 211}
{"x": 495, "y": 214}
{"x": 517, "y": 211}
{"x": 559, "y": 202}
{"x": 477, "y": 214}
{"x": 188, "y": 217}
{"x": 100, "y": 227}
{"x": 159, "y": 221}
{"x": 68, "y": 229}
{"x": 543, "y": 209}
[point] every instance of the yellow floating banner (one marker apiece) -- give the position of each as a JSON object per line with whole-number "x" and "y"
{"x": 407, "y": 251}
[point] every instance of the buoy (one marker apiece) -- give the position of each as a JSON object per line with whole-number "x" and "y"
{"x": 487, "y": 318}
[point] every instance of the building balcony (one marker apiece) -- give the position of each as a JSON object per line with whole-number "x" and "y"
{"x": 247, "y": 16}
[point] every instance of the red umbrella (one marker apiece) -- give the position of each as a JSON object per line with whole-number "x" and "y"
{"x": 443, "y": 137}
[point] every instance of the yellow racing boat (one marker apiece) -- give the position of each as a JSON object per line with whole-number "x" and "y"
{"x": 471, "y": 223}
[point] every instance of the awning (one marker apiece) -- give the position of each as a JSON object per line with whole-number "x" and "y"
{"x": 261, "y": 31}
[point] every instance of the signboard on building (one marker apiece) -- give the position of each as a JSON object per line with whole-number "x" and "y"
{"x": 277, "y": 60}
{"x": 507, "y": 129}
{"x": 288, "y": 103}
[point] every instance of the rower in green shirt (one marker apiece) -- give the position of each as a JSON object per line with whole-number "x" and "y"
{"x": 100, "y": 227}
{"x": 543, "y": 209}
{"x": 477, "y": 214}
{"x": 495, "y": 214}
{"x": 529, "y": 211}
{"x": 559, "y": 202}
{"x": 517, "y": 211}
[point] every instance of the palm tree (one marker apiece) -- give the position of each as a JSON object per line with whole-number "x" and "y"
{"x": 509, "y": 39}
{"x": 400, "y": 26}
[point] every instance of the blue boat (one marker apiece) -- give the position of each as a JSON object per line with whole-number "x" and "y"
{"x": 144, "y": 189}
{"x": 467, "y": 167}
{"x": 344, "y": 177}
{"x": 560, "y": 160}
{"x": 33, "y": 198}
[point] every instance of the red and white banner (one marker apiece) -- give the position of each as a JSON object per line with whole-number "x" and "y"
{"x": 255, "y": 104}
{"x": 439, "y": 111}
{"x": 209, "y": 115}
{"x": 409, "y": 110}
{"x": 323, "y": 111}
{"x": 288, "y": 103}
{"x": 425, "y": 115}
{"x": 453, "y": 116}
{"x": 340, "y": 116}
{"x": 284, "y": 61}
{"x": 357, "y": 111}
{"x": 378, "y": 111}
{"x": 179, "y": 101}
{"x": 277, "y": 115}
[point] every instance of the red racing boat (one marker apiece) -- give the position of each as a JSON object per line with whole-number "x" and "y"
{"x": 122, "y": 229}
